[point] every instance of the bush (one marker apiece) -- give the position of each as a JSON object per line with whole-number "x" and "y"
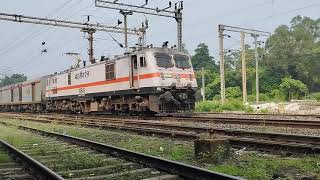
{"x": 263, "y": 97}
{"x": 216, "y": 106}
{"x": 314, "y": 96}
{"x": 293, "y": 89}
{"x": 276, "y": 95}
{"x": 233, "y": 92}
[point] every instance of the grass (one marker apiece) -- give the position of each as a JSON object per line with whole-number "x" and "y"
{"x": 257, "y": 166}
{"x": 315, "y": 96}
{"x": 4, "y": 158}
{"x": 217, "y": 106}
{"x": 250, "y": 165}
{"x": 161, "y": 147}
{"x": 72, "y": 159}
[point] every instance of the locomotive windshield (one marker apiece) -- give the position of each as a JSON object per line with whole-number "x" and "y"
{"x": 163, "y": 60}
{"x": 182, "y": 61}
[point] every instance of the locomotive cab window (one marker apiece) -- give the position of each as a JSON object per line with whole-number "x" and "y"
{"x": 110, "y": 73}
{"x": 182, "y": 61}
{"x": 143, "y": 62}
{"x": 164, "y": 60}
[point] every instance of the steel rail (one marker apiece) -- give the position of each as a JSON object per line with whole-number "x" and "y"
{"x": 32, "y": 165}
{"x": 263, "y": 141}
{"x": 313, "y": 124}
{"x": 183, "y": 170}
{"x": 228, "y": 132}
{"x": 182, "y": 128}
{"x": 265, "y": 121}
{"x": 257, "y": 114}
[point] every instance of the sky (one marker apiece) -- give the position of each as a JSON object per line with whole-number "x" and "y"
{"x": 21, "y": 44}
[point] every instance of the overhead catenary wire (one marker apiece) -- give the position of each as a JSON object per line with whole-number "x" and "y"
{"x": 57, "y": 41}
{"x": 16, "y": 43}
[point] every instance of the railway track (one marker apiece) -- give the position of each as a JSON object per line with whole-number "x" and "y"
{"x": 14, "y": 164}
{"x": 258, "y": 114}
{"x": 310, "y": 122}
{"x": 61, "y": 153}
{"x": 258, "y": 140}
{"x": 313, "y": 124}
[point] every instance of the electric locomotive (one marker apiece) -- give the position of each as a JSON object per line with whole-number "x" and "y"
{"x": 147, "y": 80}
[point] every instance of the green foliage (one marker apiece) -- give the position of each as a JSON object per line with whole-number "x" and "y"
{"x": 293, "y": 89}
{"x": 255, "y": 166}
{"x": 292, "y": 51}
{"x": 295, "y": 52}
{"x": 203, "y": 59}
{"x": 262, "y": 97}
{"x": 216, "y": 106}
{"x": 276, "y": 95}
{"x": 317, "y": 96}
{"x": 222, "y": 153}
{"x": 13, "y": 79}
{"x": 4, "y": 158}
{"x": 233, "y": 92}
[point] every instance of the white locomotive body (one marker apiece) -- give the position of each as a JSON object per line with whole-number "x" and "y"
{"x": 157, "y": 80}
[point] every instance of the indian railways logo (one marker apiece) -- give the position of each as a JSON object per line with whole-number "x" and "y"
{"x": 82, "y": 75}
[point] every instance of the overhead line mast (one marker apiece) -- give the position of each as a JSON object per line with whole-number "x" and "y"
{"x": 84, "y": 27}
{"x": 243, "y": 32}
{"x": 142, "y": 9}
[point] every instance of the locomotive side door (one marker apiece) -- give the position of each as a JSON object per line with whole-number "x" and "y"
{"x": 134, "y": 72}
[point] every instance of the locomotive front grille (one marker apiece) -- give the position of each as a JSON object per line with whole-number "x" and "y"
{"x": 172, "y": 108}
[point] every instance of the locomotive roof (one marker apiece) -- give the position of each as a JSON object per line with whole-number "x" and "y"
{"x": 115, "y": 58}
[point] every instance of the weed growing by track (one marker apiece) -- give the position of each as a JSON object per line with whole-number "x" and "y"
{"x": 4, "y": 158}
{"x": 259, "y": 166}
{"x": 249, "y": 165}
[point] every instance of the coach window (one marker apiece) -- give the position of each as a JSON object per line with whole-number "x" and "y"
{"x": 143, "y": 62}
{"x": 110, "y": 75}
{"x": 69, "y": 79}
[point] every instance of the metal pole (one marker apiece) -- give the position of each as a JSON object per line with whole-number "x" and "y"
{"x": 125, "y": 31}
{"x": 90, "y": 50}
{"x": 244, "y": 73}
{"x": 257, "y": 67}
{"x": 179, "y": 30}
{"x": 125, "y": 22}
{"x": 221, "y": 55}
{"x": 203, "y": 85}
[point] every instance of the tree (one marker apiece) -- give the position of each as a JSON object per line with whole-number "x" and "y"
{"x": 203, "y": 59}
{"x": 293, "y": 89}
{"x": 296, "y": 53}
{"x": 13, "y": 79}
